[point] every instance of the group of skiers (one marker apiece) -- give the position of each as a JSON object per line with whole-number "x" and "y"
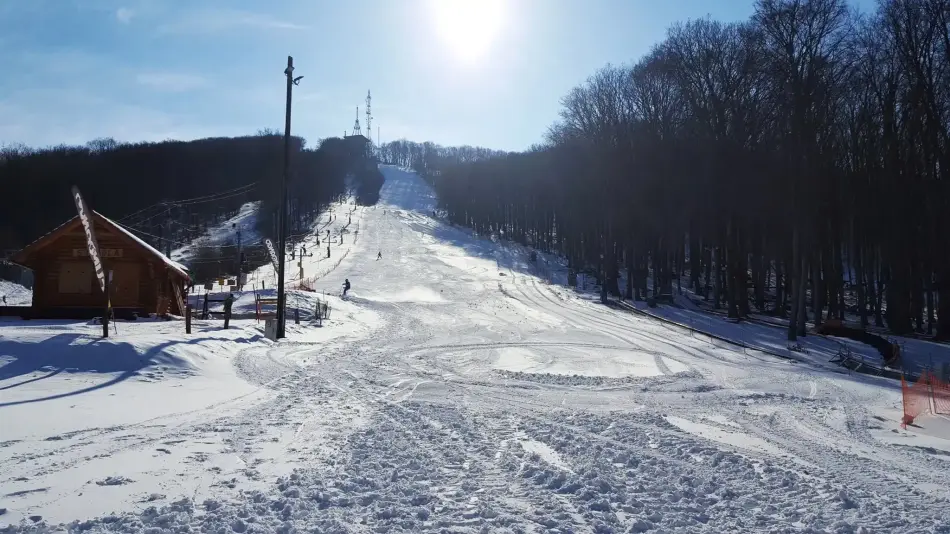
{"x": 346, "y": 283}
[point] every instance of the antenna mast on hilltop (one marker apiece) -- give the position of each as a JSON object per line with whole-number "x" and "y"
{"x": 369, "y": 117}
{"x": 356, "y": 126}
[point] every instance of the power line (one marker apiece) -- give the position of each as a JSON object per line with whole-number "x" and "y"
{"x": 143, "y": 221}
{"x": 140, "y": 211}
{"x": 195, "y": 200}
{"x": 219, "y": 196}
{"x": 172, "y": 241}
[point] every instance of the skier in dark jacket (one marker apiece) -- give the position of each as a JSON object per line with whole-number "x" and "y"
{"x": 346, "y": 286}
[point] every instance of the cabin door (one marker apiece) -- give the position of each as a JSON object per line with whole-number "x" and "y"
{"x": 125, "y": 284}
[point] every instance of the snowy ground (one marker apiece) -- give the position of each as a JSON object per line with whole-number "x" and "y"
{"x": 470, "y": 396}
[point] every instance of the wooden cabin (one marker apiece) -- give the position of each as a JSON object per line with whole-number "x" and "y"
{"x": 144, "y": 280}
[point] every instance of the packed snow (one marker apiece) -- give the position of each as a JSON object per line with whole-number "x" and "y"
{"x": 454, "y": 389}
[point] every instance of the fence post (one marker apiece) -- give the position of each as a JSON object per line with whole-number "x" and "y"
{"x": 188, "y": 318}
{"x": 227, "y": 310}
{"x": 204, "y": 308}
{"x": 108, "y": 306}
{"x": 297, "y": 315}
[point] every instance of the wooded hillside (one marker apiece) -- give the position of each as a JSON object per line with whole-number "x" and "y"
{"x": 168, "y": 193}
{"x": 802, "y": 155}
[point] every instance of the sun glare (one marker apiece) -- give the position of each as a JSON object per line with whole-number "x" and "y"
{"x": 468, "y": 27}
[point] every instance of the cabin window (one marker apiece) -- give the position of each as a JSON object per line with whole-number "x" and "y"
{"x": 75, "y": 277}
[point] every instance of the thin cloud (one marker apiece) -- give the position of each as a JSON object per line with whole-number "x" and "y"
{"x": 49, "y": 116}
{"x": 124, "y": 15}
{"x": 218, "y": 20}
{"x": 309, "y": 97}
{"x": 171, "y": 81}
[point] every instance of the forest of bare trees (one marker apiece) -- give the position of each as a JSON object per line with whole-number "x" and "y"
{"x": 170, "y": 192}
{"x": 797, "y": 163}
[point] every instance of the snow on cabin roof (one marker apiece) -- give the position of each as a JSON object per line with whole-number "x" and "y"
{"x": 21, "y": 255}
{"x": 174, "y": 265}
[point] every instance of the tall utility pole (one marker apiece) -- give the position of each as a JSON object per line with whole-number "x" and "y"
{"x": 282, "y": 210}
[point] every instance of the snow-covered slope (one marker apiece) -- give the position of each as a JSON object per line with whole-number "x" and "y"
{"x": 480, "y": 398}
{"x": 245, "y": 221}
{"x": 14, "y": 294}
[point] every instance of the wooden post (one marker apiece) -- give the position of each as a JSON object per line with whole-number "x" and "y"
{"x": 188, "y": 318}
{"x": 228, "y": 302}
{"x": 204, "y": 309}
{"x": 297, "y": 315}
{"x": 108, "y": 307}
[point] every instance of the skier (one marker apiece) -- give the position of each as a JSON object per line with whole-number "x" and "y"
{"x": 346, "y": 286}
{"x": 379, "y": 255}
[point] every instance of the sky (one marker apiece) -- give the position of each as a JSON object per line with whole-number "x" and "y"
{"x": 485, "y": 73}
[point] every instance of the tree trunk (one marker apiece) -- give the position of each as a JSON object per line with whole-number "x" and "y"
{"x": 779, "y": 308}
{"x": 795, "y": 282}
{"x": 943, "y": 307}
{"x": 717, "y": 279}
{"x": 761, "y": 276}
{"x": 707, "y": 254}
{"x": 898, "y": 305}
{"x": 930, "y": 307}
{"x": 860, "y": 284}
{"x": 879, "y": 299}
{"x": 694, "y": 262}
{"x": 732, "y": 310}
{"x": 631, "y": 274}
{"x": 802, "y": 282}
{"x": 679, "y": 270}
{"x": 817, "y": 292}
{"x": 917, "y": 299}
{"x": 742, "y": 283}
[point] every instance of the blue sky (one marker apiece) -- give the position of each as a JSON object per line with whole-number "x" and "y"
{"x": 150, "y": 70}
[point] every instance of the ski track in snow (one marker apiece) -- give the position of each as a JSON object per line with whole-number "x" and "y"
{"x": 482, "y": 399}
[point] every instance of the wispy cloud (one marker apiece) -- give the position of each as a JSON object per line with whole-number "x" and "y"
{"x": 44, "y": 116}
{"x": 217, "y": 20}
{"x": 304, "y": 96}
{"x": 124, "y": 15}
{"x": 171, "y": 81}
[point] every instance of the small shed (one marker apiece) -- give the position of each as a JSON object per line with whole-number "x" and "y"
{"x": 144, "y": 280}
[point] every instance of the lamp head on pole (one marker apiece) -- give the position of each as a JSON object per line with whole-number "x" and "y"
{"x": 296, "y": 80}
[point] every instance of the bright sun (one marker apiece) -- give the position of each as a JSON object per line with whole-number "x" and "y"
{"x": 468, "y": 27}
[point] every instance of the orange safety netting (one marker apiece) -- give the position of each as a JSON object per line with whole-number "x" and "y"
{"x": 916, "y": 398}
{"x": 941, "y": 395}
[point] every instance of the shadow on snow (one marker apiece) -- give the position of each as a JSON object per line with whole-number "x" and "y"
{"x": 67, "y": 352}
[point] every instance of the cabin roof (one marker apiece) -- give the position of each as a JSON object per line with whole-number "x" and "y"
{"x": 23, "y": 256}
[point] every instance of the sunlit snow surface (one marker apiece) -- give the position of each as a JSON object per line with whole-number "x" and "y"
{"x": 453, "y": 390}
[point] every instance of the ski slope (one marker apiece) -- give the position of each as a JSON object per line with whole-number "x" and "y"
{"x": 14, "y": 294}
{"x": 476, "y": 397}
{"x": 224, "y": 233}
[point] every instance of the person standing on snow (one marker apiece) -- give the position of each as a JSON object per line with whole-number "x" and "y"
{"x": 379, "y": 255}
{"x": 346, "y": 286}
